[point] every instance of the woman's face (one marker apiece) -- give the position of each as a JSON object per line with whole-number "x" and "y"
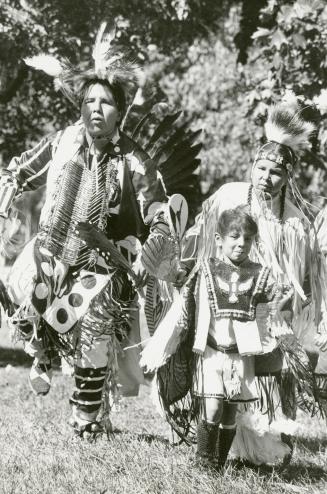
{"x": 268, "y": 177}
{"x": 99, "y": 111}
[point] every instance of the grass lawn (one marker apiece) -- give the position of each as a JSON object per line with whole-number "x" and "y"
{"x": 40, "y": 454}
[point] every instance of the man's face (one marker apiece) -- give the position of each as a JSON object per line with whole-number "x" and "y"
{"x": 99, "y": 111}
{"x": 268, "y": 177}
{"x": 235, "y": 245}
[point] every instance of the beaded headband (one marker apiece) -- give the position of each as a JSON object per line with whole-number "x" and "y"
{"x": 278, "y": 153}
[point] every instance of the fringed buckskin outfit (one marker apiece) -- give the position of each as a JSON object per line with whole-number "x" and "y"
{"x": 97, "y": 313}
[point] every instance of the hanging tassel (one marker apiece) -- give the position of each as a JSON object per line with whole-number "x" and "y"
{"x": 232, "y": 382}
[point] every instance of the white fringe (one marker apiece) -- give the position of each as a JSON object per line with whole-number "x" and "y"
{"x": 166, "y": 338}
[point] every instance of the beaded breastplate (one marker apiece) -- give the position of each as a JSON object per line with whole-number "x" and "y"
{"x": 234, "y": 291}
{"x": 81, "y": 195}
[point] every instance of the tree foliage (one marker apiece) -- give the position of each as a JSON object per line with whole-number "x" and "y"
{"x": 222, "y": 62}
{"x": 282, "y": 47}
{"x": 29, "y": 106}
{"x": 291, "y": 41}
{"x": 212, "y": 94}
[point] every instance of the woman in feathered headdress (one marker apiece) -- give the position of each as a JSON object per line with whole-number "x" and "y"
{"x": 286, "y": 244}
{"x": 82, "y": 300}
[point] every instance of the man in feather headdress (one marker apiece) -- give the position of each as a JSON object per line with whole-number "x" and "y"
{"x": 71, "y": 295}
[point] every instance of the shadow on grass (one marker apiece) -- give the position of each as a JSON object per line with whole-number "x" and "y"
{"x": 18, "y": 358}
{"x": 289, "y": 474}
{"x": 150, "y": 438}
{"x": 143, "y": 437}
{"x": 312, "y": 444}
{"x": 15, "y": 357}
{"x": 308, "y": 470}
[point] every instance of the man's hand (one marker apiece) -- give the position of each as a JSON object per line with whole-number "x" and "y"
{"x": 92, "y": 236}
{"x": 140, "y": 274}
{"x": 180, "y": 279}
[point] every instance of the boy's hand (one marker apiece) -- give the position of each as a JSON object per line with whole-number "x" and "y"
{"x": 280, "y": 300}
{"x": 285, "y": 298}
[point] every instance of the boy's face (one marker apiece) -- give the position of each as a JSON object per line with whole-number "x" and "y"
{"x": 235, "y": 245}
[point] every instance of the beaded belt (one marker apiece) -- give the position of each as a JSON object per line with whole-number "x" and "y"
{"x": 225, "y": 349}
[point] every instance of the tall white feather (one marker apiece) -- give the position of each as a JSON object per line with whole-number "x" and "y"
{"x": 47, "y": 63}
{"x": 102, "y": 47}
{"x": 286, "y": 126}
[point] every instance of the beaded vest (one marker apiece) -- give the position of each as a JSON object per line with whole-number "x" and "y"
{"x": 234, "y": 291}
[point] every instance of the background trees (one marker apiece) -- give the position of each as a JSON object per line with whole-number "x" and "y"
{"x": 29, "y": 106}
{"x": 291, "y": 39}
{"x": 221, "y": 62}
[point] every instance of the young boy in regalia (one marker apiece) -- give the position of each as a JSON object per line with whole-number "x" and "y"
{"x": 227, "y": 336}
{"x": 226, "y": 292}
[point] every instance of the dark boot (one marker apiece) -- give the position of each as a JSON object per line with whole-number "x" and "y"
{"x": 224, "y": 444}
{"x": 207, "y": 434}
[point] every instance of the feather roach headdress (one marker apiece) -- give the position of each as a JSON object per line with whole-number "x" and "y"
{"x": 287, "y": 134}
{"x": 109, "y": 64}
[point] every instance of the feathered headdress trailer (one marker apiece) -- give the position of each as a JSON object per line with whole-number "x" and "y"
{"x": 287, "y": 135}
{"x": 109, "y": 65}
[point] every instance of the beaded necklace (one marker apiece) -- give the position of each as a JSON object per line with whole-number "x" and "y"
{"x": 282, "y": 202}
{"x": 280, "y": 219}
